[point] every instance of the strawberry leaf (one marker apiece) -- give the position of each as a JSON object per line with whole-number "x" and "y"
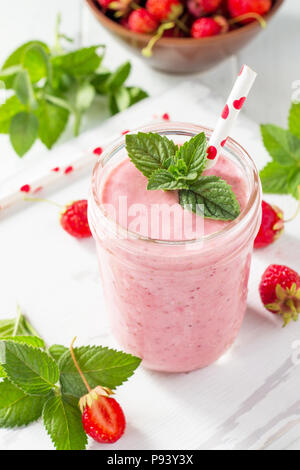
{"x": 294, "y": 119}
{"x": 17, "y": 408}
{"x": 62, "y": 420}
{"x": 275, "y": 178}
{"x": 100, "y": 366}
{"x": 31, "y": 369}
{"x": 57, "y": 351}
{"x": 283, "y": 147}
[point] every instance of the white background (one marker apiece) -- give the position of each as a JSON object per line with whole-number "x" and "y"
{"x": 251, "y": 398}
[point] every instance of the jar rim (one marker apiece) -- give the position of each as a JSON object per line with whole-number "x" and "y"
{"x": 254, "y": 199}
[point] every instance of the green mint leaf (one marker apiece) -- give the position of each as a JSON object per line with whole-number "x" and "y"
{"x": 163, "y": 179}
{"x": 119, "y": 77}
{"x": 24, "y": 129}
{"x": 16, "y": 58}
{"x": 79, "y": 63}
{"x": 36, "y": 61}
{"x": 216, "y": 197}
{"x": 275, "y": 177}
{"x": 23, "y": 88}
{"x": 17, "y": 408}
{"x": 7, "y": 76}
{"x": 283, "y": 146}
{"x": 62, "y": 420}
{"x": 136, "y": 94}
{"x": 32, "y": 370}
{"x": 52, "y": 122}
{"x": 100, "y": 366}
{"x": 149, "y": 152}
{"x": 99, "y": 80}
{"x": 294, "y": 183}
{"x": 294, "y": 119}
{"x": 57, "y": 351}
{"x": 119, "y": 100}
{"x": 84, "y": 97}
{"x": 8, "y": 110}
{"x": 194, "y": 154}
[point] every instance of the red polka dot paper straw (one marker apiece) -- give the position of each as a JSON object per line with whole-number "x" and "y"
{"x": 231, "y": 110}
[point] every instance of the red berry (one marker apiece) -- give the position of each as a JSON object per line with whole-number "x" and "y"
{"x": 104, "y": 3}
{"x": 141, "y": 21}
{"x": 223, "y": 23}
{"x": 280, "y": 292}
{"x": 242, "y": 7}
{"x": 200, "y": 8}
{"x": 74, "y": 219}
{"x": 272, "y": 226}
{"x": 205, "y": 27}
{"x": 103, "y": 418}
{"x": 164, "y": 10}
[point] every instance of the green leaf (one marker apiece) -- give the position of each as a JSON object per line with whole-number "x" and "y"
{"x": 84, "y": 97}
{"x": 119, "y": 77}
{"x": 23, "y": 88}
{"x": 274, "y": 178}
{"x": 32, "y": 370}
{"x": 122, "y": 98}
{"x": 52, "y": 122}
{"x": 24, "y": 129}
{"x": 8, "y": 110}
{"x": 100, "y": 366}
{"x": 33, "y": 341}
{"x": 16, "y": 326}
{"x": 211, "y": 197}
{"x": 79, "y": 63}
{"x": 36, "y": 61}
{"x": 283, "y": 147}
{"x": 62, "y": 420}
{"x": 56, "y": 351}
{"x": 294, "y": 183}
{"x": 194, "y": 154}
{"x": 136, "y": 95}
{"x": 294, "y": 119}
{"x": 163, "y": 179}
{"x": 149, "y": 152}
{"x": 99, "y": 80}
{"x": 17, "y": 408}
{"x": 16, "y": 58}
{"x": 8, "y": 75}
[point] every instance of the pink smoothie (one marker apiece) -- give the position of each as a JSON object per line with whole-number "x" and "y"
{"x": 178, "y": 306}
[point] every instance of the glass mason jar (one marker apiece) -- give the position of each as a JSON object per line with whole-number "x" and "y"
{"x": 177, "y": 305}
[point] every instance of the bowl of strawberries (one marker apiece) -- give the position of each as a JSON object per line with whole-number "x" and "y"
{"x": 184, "y": 36}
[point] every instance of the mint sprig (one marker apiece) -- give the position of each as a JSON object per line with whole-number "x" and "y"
{"x": 282, "y": 174}
{"x": 170, "y": 167}
{"x": 51, "y": 85}
{"x": 39, "y": 382}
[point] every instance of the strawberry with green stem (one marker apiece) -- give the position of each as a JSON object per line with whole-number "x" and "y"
{"x": 102, "y": 417}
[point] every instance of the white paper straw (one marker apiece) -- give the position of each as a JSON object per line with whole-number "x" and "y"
{"x": 230, "y": 113}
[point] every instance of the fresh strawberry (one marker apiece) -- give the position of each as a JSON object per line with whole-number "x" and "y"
{"x": 205, "y": 27}
{"x": 104, "y": 3}
{"x": 200, "y": 8}
{"x": 272, "y": 226}
{"x": 141, "y": 21}
{"x": 165, "y": 10}
{"x": 239, "y": 8}
{"x": 74, "y": 219}
{"x": 102, "y": 417}
{"x": 280, "y": 292}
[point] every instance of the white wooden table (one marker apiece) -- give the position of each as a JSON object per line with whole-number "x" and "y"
{"x": 250, "y": 398}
